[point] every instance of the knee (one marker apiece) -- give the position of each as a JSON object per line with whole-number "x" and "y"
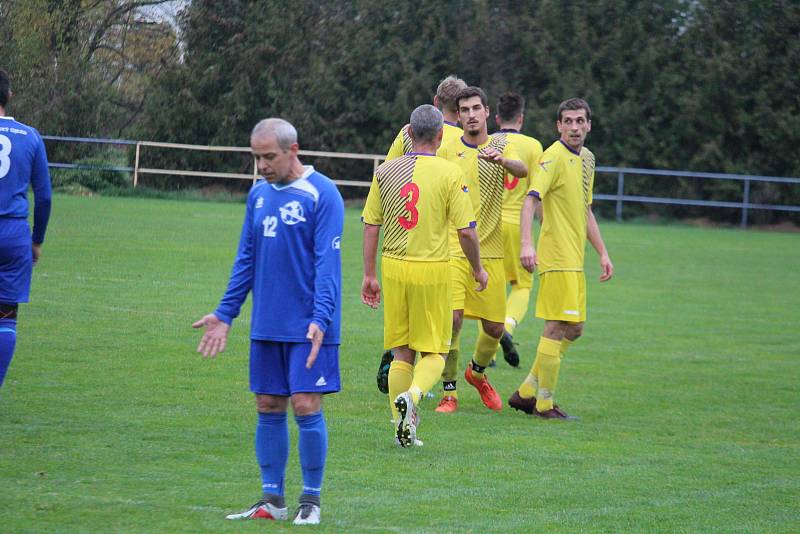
{"x": 270, "y": 404}
{"x": 494, "y": 330}
{"x": 306, "y": 404}
{"x": 574, "y": 331}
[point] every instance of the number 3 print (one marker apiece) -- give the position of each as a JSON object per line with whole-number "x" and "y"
{"x": 410, "y": 206}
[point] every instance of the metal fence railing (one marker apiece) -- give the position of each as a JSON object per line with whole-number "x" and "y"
{"x": 619, "y": 198}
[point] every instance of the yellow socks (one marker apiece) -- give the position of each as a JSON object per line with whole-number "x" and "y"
{"x": 516, "y": 306}
{"x": 548, "y": 356}
{"x": 401, "y": 375}
{"x": 426, "y": 373}
{"x": 485, "y": 348}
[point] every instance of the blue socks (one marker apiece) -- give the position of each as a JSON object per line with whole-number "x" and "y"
{"x": 272, "y": 450}
{"x": 8, "y": 339}
{"x": 313, "y": 448}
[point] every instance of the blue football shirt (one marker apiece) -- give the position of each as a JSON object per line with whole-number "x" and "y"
{"x": 289, "y": 256}
{"x": 23, "y": 163}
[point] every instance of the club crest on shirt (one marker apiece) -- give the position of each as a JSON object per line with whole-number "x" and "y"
{"x": 259, "y": 202}
{"x": 292, "y": 213}
{"x": 461, "y": 154}
{"x": 465, "y": 189}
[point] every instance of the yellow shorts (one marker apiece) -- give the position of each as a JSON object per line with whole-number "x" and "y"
{"x": 562, "y": 296}
{"x": 488, "y": 304}
{"x": 416, "y": 305}
{"x": 515, "y": 272}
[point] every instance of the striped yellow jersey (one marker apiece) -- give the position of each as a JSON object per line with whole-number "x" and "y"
{"x": 485, "y": 183}
{"x": 563, "y": 181}
{"x": 402, "y": 143}
{"x": 529, "y": 151}
{"x": 416, "y": 198}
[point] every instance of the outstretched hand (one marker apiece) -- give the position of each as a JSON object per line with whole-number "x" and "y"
{"x": 315, "y": 335}
{"x": 214, "y": 338}
{"x": 491, "y": 155}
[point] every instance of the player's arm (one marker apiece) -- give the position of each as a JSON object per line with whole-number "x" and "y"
{"x": 527, "y": 253}
{"x": 513, "y": 166}
{"x": 596, "y": 239}
{"x": 42, "y": 193}
{"x": 218, "y": 324}
{"x": 327, "y": 267}
{"x": 468, "y": 239}
{"x": 370, "y": 288}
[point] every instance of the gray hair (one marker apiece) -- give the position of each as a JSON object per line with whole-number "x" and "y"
{"x": 283, "y": 131}
{"x": 426, "y": 121}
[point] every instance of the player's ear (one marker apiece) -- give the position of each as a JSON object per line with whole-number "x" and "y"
{"x": 294, "y": 148}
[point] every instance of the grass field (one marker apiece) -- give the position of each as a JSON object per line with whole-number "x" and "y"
{"x": 686, "y": 381}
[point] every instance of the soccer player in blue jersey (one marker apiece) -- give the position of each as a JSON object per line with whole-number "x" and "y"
{"x": 289, "y": 257}
{"x": 23, "y": 163}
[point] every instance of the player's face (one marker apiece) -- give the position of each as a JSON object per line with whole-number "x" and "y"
{"x": 272, "y": 162}
{"x": 574, "y": 127}
{"x": 472, "y": 115}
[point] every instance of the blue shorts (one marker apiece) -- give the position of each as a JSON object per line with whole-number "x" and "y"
{"x": 16, "y": 260}
{"x": 279, "y": 368}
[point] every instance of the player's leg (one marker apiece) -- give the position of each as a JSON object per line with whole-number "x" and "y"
{"x": 557, "y": 303}
{"x": 518, "y": 298}
{"x": 8, "y": 337}
{"x": 312, "y": 447}
{"x": 488, "y": 305}
{"x": 15, "y": 281}
{"x": 460, "y": 277}
{"x": 271, "y": 388}
{"x": 307, "y": 387}
{"x": 396, "y": 327}
{"x": 449, "y": 400}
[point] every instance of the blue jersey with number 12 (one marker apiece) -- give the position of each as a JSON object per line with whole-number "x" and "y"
{"x": 289, "y": 256}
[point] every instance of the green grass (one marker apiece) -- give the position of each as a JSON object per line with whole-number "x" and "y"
{"x": 686, "y": 380}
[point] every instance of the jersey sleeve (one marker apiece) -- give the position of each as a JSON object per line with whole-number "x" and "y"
{"x": 42, "y": 192}
{"x": 460, "y": 213}
{"x": 544, "y": 177}
{"x": 241, "y": 279}
{"x": 397, "y": 149}
{"x": 327, "y": 256}
{"x": 373, "y": 214}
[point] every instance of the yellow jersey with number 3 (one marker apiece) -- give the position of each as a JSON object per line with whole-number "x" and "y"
{"x": 563, "y": 182}
{"x": 416, "y": 198}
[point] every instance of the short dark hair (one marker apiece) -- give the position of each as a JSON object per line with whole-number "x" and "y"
{"x": 574, "y": 104}
{"x": 471, "y": 91}
{"x": 510, "y": 106}
{"x": 5, "y": 88}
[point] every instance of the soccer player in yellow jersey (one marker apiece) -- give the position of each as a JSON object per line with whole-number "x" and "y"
{"x": 563, "y": 184}
{"x": 445, "y": 100}
{"x": 416, "y": 198}
{"x": 484, "y": 160}
{"x": 510, "y": 116}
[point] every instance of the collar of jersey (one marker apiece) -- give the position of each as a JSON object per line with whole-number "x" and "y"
{"x": 451, "y": 123}
{"x": 508, "y": 130}
{"x": 569, "y": 148}
{"x": 7, "y": 117}
{"x": 419, "y": 154}
{"x": 488, "y": 140}
{"x": 309, "y": 169}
